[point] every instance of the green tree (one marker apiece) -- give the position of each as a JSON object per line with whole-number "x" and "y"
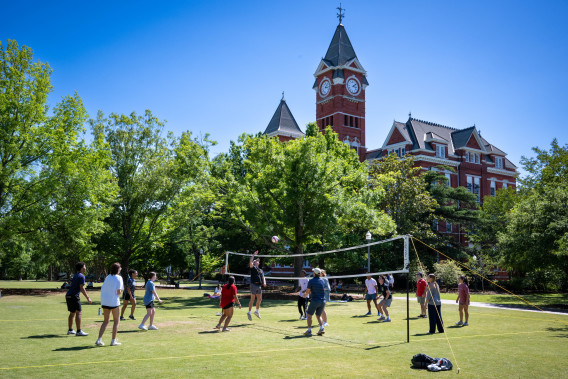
{"x": 151, "y": 171}
{"x": 53, "y": 186}
{"x": 302, "y": 191}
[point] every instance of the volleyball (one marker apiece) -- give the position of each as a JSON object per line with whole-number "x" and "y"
{"x": 275, "y": 239}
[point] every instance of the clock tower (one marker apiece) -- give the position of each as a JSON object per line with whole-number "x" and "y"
{"x": 340, "y": 92}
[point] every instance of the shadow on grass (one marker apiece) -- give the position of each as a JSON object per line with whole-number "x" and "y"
{"x": 361, "y": 316}
{"x": 75, "y": 348}
{"x": 40, "y": 336}
{"x": 386, "y": 345}
{"x": 293, "y": 320}
{"x": 127, "y": 331}
{"x": 563, "y": 331}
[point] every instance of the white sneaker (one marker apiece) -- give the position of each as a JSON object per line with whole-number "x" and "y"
{"x": 152, "y": 327}
{"x": 249, "y": 316}
{"x": 142, "y": 327}
{"x": 218, "y": 314}
{"x": 115, "y": 343}
{"x": 325, "y": 324}
{"x": 70, "y": 332}
{"x": 257, "y": 314}
{"x": 99, "y": 342}
{"x": 81, "y": 333}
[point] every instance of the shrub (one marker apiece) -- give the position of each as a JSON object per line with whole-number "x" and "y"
{"x": 448, "y": 272}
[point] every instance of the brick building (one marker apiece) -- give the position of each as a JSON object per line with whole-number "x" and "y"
{"x": 340, "y": 84}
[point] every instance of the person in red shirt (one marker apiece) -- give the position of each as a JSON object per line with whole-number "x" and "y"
{"x": 228, "y": 299}
{"x": 421, "y": 294}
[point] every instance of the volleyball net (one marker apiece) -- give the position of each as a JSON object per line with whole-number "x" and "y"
{"x": 388, "y": 256}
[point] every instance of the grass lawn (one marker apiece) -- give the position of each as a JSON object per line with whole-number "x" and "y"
{"x": 540, "y": 300}
{"x": 499, "y": 343}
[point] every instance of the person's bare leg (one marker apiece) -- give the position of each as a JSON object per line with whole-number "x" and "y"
{"x": 369, "y": 305}
{"x": 466, "y": 311}
{"x": 106, "y": 317}
{"x": 324, "y": 316}
{"x": 309, "y": 321}
{"x": 229, "y": 315}
{"x": 124, "y": 305}
{"x": 320, "y": 322}
{"x": 116, "y": 319}
{"x": 78, "y": 319}
{"x": 70, "y": 320}
{"x": 152, "y": 313}
{"x": 258, "y": 301}
{"x": 251, "y": 302}
{"x": 461, "y": 312}
{"x": 385, "y": 310}
{"x": 147, "y": 316}
{"x": 376, "y": 305}
{"x": 133, "y": 307}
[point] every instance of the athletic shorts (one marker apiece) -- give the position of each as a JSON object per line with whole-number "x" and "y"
{"x": 126, "y": 296}
{"x": 421, "y": 299}
{"x": 230, "y": 305}
{"x": 316, "y": 306}
{"x": 108, "y": 307}
{"x": 386, "y": 303}
{"x": 371, "y": 296}
{"x": 255, "y": 289}
{"x": 149, "y": 305}
{"x": 73, "y": 304}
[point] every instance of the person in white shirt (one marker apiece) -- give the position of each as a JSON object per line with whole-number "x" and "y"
{"x": 110, "y": 302}
{"x": 302, "y": 286}
{"x": 370, "y": 293}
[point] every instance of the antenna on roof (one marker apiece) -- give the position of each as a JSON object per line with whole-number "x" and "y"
{"x": 341, "y": 13}
{"x": 283, "y": 96}
{"x": 409, "y": 115}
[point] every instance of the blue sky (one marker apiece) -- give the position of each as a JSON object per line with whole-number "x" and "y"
{"x": 219, "y": 67}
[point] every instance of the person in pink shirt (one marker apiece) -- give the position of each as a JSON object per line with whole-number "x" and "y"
{"x": 421, "y": 294}
{"x": 463, "y": 300}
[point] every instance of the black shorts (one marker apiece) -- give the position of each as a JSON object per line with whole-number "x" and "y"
{"x": 230, "y": 305}
{"x": 108, "y": 307}
{"x": 125, "y": 296}
{"x": 73, "y": 304}
{"x": 150, "y": 305}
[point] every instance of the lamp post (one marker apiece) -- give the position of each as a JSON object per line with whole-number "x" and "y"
{"x": 368, "y": 237}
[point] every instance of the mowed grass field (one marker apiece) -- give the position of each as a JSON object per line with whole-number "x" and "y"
{"x": 498, "y": 343}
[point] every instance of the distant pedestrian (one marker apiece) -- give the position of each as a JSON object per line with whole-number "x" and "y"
{"x": 128, "y": 295}
{"x": 150, "y": 295}
{"x": 434, "y": 305}
{"x": 421, "y": 294}
{"x": 72, "y": 297}
{"x": 110, "y": 302}
{"x": 463, "y": 299}
{"x": 228, "y": 299}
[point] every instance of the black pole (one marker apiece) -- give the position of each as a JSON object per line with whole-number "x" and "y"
{"x": 200, "y": 269}
{"x": 407, "y": 309}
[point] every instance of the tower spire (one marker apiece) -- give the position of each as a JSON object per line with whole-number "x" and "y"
{"x": 341, "y": 13}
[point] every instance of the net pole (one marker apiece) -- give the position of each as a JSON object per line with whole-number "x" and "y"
{"x": 407, "y": 308}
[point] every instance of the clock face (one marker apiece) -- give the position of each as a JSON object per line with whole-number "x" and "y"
{"x": 353, "y": 86}
{"x": 325, "y": 86}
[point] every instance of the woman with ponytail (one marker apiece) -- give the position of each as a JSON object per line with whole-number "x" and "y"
{"x": 228, "y": 299}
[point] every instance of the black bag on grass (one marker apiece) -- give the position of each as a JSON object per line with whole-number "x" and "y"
{"x": 422, "y": 361}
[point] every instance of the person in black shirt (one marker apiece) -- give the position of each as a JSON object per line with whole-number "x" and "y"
{"x": 256, "y": 281}
{"x": 73, "y": 302}
{"x": 387, "y": 298}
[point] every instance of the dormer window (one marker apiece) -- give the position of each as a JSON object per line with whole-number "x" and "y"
{"x": 440, "y": 151}
{"x": 498, "y": 162}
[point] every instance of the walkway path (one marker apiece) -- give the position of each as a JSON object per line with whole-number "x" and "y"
{"x": 512, "y": 307}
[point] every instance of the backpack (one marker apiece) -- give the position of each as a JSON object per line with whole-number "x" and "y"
{"x": 443, "y": 364}
{"x": 422, "y": 360}
{"x": 346, "y": 297}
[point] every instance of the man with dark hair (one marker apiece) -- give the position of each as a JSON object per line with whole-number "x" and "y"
{"x": 256, "y": 281}
{"x": 421, "y": 293}
{"x": 72, "y": 297}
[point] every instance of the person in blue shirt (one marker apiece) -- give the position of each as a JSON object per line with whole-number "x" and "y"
{"x": 316, "y": 290}
{"x": 128, "y": 295}
{"x": 72, "y": 297}
{"x": 149, "y": 296}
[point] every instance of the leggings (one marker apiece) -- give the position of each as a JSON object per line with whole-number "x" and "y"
{"x": 302, "y": 305}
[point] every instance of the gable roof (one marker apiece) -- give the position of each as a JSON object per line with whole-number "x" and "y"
{"x": 283, "y": 122}
{"x": 340, "y": 50}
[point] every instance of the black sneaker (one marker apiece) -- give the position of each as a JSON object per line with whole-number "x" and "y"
{"x": 131, "y": 317}
{"x": 122, "y": 318}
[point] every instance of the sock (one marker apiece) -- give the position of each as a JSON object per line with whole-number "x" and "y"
{"x": 388, "y": 318}
{"x": 248, "y": 312}
{"x": 309, "y": 329}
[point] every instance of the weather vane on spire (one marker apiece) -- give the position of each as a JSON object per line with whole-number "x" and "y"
{"x": 341, "y": 13}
